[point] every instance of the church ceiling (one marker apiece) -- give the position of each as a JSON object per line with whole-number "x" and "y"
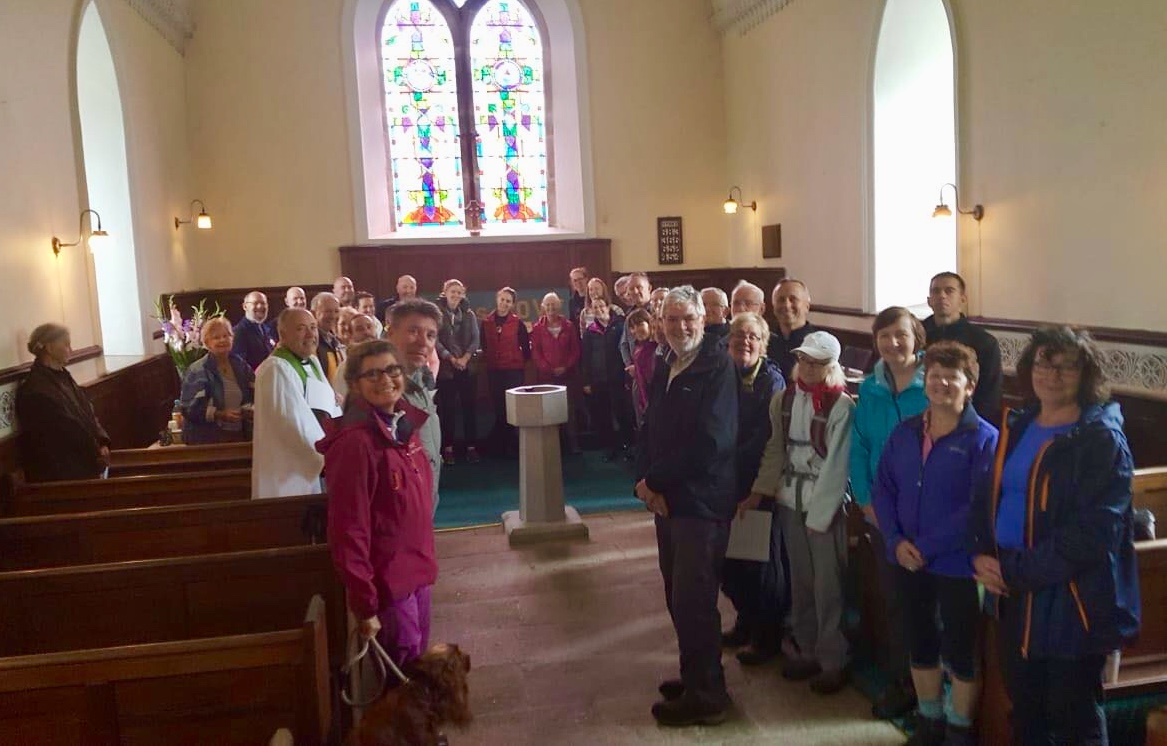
{"x": 170, "y": 18}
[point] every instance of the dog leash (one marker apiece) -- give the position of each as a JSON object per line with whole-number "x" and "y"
{"x": 382, "y": 662}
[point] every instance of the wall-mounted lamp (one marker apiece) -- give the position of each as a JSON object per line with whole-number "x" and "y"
{"x": 942, "y": 209}
{"x": 731, "y": 205}
{"x": 202, "y": 221}
{"x": 98, "y": 239}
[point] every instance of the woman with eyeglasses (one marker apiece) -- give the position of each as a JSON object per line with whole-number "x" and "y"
{"x": 1052, "y": 540}
{"x": 758, "y": 590}
{"x": 380, "y": 504}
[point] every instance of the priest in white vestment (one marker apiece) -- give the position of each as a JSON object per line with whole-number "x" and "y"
{"x": 284, "y": 459}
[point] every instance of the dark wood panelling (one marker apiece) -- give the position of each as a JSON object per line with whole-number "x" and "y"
{"x": 16, "y": 372}
{"x": 528, "y": 264}
{"x": 723, "y": 277}
{"x": 230, "y": 300}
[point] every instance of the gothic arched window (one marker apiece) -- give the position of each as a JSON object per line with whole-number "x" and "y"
{"x": 465, "y": 112}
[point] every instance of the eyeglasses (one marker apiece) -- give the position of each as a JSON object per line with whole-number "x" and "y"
{"x": 809, "y": 362}
{"x": 747, "y": 337}
{"x": 1049, "y": 369}
{"x": 373, "y": 374}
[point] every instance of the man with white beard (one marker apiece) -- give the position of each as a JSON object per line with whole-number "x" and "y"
{"x": 686, "y": 476}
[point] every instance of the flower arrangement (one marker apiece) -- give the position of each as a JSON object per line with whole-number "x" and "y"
{"x": 183, "y": 337}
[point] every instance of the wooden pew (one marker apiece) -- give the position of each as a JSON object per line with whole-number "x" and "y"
{"x": 86, "y": 495}
{"x": 32, "y": 542}
{"x": 230, "y": 689}
{"x": 1150, "y": 492}
{"x": 163, "y": 600}
{"x": 135, "y": 461}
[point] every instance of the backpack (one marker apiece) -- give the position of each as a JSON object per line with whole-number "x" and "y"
{"x": 818, "y": 423}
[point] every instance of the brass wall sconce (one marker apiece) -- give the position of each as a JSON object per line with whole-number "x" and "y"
{"x": 98, "y": 238}
{"x": 942, "y": 211}
{"x": 202, "y": 221}
{"x": 731, "y": 205}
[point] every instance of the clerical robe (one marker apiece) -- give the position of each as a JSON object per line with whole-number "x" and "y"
{"x": 284, "y": 459}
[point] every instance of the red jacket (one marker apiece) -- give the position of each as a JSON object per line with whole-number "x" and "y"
{"x": 380, "y": 506}
{"x": 502, "y": 345}
{"x": 551, "y": 352}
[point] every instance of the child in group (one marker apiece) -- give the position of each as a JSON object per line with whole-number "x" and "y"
{"x": 506, "y": 348}
{"x": 931, "y": 467}
{"x": 458, "y": 343}
{"x": 804, "y": 467}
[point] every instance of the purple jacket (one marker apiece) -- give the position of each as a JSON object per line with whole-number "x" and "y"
{"x": 380, "y": 506}
{"x": 929, "y": 502}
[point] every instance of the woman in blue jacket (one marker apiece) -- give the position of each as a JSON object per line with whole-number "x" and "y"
{"x": 1053, "y": 539}
{"x": 217, "y": 390}
{"x": 931, "y": 468}
{"x": 891, "y": 394}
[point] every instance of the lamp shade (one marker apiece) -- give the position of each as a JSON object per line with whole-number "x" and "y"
{"x": 203, "y": 221}
{"x": 941, "y": 211}
{"x": 99, "y": 241}
{"x": 730, "y": 206}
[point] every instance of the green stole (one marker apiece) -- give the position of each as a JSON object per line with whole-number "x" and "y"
{"x": 285, "y": 354}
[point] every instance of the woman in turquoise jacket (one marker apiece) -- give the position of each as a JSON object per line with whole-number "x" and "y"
{"x": 894, "y": 392}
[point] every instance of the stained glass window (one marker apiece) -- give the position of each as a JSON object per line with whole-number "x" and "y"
{"x": 500, "y": 160}
{"x": 506, "y": 63}
{"x": 421, "y": 112}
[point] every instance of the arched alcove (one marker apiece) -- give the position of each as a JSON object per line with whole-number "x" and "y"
{"x": 913, "y": 150}
{"x": 103, "y": 139}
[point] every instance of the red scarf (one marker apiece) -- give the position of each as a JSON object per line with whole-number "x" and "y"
{"x": 817, "y": 392}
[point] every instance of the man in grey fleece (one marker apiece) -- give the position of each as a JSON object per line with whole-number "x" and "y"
{"x": 413, "y": 330}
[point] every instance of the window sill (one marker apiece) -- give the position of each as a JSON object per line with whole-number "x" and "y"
{"x": 490, "y": 234}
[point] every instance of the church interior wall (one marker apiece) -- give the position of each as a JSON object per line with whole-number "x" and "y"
{"x": 1057, "y": 137}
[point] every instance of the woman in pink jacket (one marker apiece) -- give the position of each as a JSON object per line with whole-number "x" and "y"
{"x": 380, "y": 504}
{"x": 555, "y": 350}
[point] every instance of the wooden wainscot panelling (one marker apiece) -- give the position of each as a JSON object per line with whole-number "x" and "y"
{"x": 521, "y": 264}
{"x": 230, "y": 300}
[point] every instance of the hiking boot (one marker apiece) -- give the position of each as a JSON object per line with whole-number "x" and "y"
{"x": 472, "y": 456}
{"x": 801, "y": 669}
{"x": 829, "y": 682}
{"x": 684, "y": 711}
{"x": 671, "y": 689}
{"x": 928, "y": 732}
{"x": 448, "y": 456}
{"x": 736, "y": 637}
{"x": 897, "y": 700}
{"x": 756, "y": 656}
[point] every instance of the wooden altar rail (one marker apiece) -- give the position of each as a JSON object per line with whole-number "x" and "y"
{"x": 87, "y": 495}
{"x": 228, "y": 689}
{"x": 154, "y": 533}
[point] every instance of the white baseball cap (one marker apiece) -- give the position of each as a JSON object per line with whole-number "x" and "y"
{"x": 821, "y": 346}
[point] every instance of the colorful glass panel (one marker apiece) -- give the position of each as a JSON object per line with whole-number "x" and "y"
{"x": 506, "y": 63}
{"x": 421, "y": 108}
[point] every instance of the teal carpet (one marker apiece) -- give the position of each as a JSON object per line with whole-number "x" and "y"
{"x": 474, "y": 494}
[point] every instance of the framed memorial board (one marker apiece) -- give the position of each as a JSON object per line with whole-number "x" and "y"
{"x": 670, "y": 246}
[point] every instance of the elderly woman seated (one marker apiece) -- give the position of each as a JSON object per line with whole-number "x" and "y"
{"x": 60, "y": 437}
{"x": 217, "y": 390}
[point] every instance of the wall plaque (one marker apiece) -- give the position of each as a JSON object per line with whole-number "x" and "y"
{"x": 670, "y": 246}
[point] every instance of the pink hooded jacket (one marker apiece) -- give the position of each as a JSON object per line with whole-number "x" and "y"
{"x": 380, "y": 506}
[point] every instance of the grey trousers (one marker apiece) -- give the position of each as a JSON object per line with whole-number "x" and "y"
{"x": 817, "y": 563}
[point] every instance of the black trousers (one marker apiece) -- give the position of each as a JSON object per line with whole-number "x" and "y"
{"x": 954, "y": 639}
{"x": 760, "y": 592}
{"x": 457, "y": 394}
{"x": 503, "y": 437}
{"x": 896, "y": 653}
{"x": 600, "y": 414}
{"x": 691, "y": 552}
{"x": 1055, "y": 700}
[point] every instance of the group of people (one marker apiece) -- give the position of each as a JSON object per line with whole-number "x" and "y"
{"x": 1034, "y": 507}
{"x": 728, "y": 415}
